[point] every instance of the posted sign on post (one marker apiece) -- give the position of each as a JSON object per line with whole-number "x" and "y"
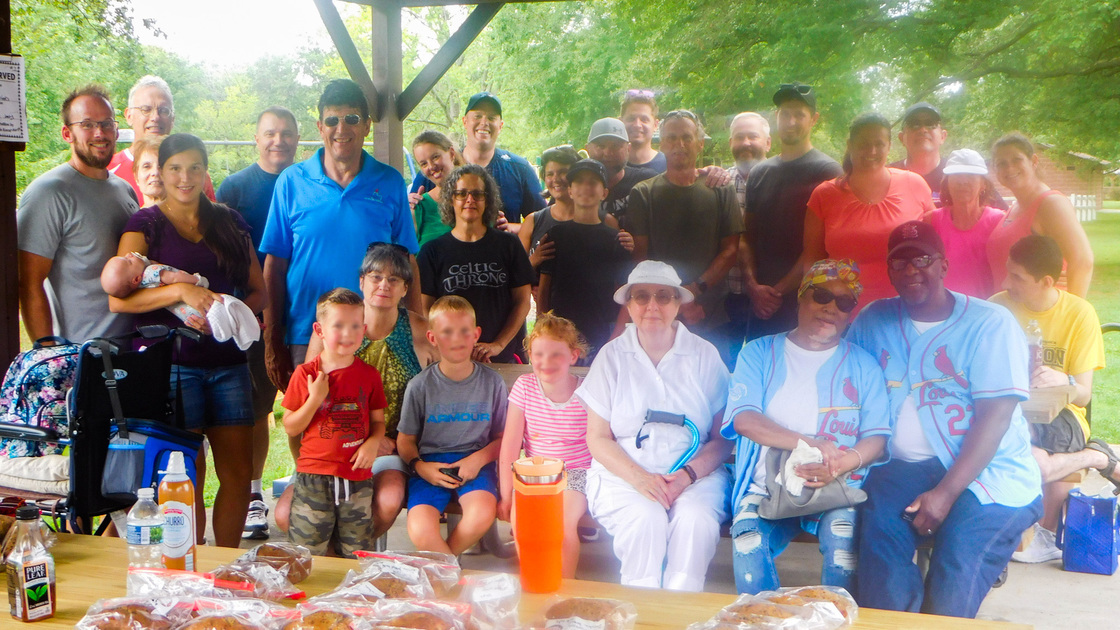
{"x": 13, "y": 99}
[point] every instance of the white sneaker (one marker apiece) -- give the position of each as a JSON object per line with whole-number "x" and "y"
{"x": 256, "y": 521}
{"x": 1042, "y": 548}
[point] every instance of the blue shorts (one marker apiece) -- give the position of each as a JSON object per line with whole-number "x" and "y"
{"x": 420, "y": 492}
{"x": 214, "y": 397}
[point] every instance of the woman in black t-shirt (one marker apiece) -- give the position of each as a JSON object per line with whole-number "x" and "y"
{"x": 476, "y": 261}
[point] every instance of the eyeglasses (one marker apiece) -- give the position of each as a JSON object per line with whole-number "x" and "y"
{"x": 90, "y": 125}
{"x": 919, "y": 262}
{"x": 147, "y": 110}
{"x": 800, "y": 88}
{"x": 823, "y": 296}
{"x": 351, "y": 119}
{"x": 923, "y": 124}
{"x": 477, "y": 195}
{"x": 376, "y": 279}
{"x": 639, "y": 94}
{"x": 641, "y": 298}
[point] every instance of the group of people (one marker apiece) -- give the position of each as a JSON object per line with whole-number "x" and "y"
{"x": 786, "y": 309}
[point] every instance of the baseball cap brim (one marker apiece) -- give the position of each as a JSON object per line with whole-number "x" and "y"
{"x": 477, "y": 99}
{"x": 965, "y": 169}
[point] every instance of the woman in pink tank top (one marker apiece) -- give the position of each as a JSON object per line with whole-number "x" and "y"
{"x": 1037, "y": 209}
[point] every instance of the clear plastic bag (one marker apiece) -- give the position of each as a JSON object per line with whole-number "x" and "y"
{"x": 493, "y": 599}
{"x": 419, "y": 614}
{"x": 228, "y": 621}
{"x": 840, "y": 598}
{"x": 139, "y": 613}
{"x": 380, "y": 581}
{"x": 294, "y": 561}
{"x": 589, "y": 613}
{"x": 756, "y": 610}
{"x": 258, "y": 611}
{"x": 267, "y": 581}
{"x": 170, "y": 583}
{"x": 327, "y": 616}
{"x": 441, "y": 569}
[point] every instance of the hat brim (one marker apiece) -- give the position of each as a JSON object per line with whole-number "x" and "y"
{"x": 965, "y": 169}
{"x": 624, "y": 290}
{"x": 921, "y": 246}
{"x": 607, "y": 135}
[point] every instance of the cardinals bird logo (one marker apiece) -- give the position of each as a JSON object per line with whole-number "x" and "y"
{"x": 944, "y": 364}
{"x": 850, "y": 391}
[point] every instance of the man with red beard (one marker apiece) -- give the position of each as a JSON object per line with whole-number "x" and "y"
{"x": 69, "y": 221}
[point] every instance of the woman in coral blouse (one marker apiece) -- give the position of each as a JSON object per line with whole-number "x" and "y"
{"x": 852, "y": 216}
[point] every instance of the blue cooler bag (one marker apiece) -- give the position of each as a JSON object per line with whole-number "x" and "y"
{"x": 137, "y": 461}
{"x": 1088, "y": 535}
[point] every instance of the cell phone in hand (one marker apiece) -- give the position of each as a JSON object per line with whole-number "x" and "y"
{"x": 452, "y": 472}
{"x": 909, "y": 516}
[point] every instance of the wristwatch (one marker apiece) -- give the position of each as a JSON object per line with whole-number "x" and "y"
{"x": 412, "y": 465}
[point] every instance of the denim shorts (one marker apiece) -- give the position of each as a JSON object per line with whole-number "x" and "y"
{"x": 214, "y": 397}
{"x": 420, "y": 492}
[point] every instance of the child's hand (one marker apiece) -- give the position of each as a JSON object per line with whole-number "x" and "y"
{"x": 364, "y": 456}
{"x": 317, "y": 388}
{"x": 505, "y": 506}
{"x": 468, "y": 467}
{"x": 387, "y": 446}
{"x": 429, "y": 471}
{"x": 626, "y": 239}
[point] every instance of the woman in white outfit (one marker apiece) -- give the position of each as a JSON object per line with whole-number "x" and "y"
{"x": 659, "y": 488}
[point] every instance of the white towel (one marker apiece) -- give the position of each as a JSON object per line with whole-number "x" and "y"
{"x": 803, "y": 454}
{"x": 231, "y": 319}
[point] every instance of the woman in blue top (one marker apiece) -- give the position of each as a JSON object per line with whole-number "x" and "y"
{"x": 806, "y": 385}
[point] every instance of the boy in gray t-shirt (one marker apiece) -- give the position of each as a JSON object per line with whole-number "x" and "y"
{"x": 450, "y": 433}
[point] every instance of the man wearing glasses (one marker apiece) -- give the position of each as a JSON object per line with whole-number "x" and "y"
{"x": 69, "y": 221}
{"x": 961, "y": 474}
{"x": 923, "y": 135}
{"x": 325, "y": 211}
{"x": 150, "y": 113}
{"x": 777, "y": 193}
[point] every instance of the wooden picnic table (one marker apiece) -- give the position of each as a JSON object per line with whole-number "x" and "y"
{"x": 1045, "y": 403}
{"x": 91, "y": 568}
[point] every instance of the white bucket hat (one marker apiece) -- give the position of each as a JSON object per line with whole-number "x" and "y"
{"x": 965, "y": 162}
{"x": 653, "y": 272}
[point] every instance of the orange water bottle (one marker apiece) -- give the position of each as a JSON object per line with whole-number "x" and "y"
{"x": 176, "y": 501}
{"x": 538, "y": 503}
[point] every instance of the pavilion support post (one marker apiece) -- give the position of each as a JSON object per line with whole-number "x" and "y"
{"x": 336, "y": 28}
{"x": 9, "y": 261}
{"x": 388, "y": 79}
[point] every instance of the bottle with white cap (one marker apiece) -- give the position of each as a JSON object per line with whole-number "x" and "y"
{"x": 176, "y": 501}
{"x": 145, "y": 531}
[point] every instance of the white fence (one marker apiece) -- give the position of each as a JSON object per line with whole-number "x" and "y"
{"x": 1085, "y": 206}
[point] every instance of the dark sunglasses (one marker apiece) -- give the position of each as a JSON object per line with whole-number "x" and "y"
{"x": 641, "y": 298}
{"x": 800, "y": 88}
{"x": 919, "y": 262}
{"x": 477, "y": 195}
{"x": 681, "y": 113}
{"x": 823, "y": 296}
{"x": 639, "y": 94}
{"x": 399, "y": 248}
{"x": 351, "y": 119}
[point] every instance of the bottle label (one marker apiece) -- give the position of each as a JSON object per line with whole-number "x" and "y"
{"x": 178, "y": 529}
{"x": 145, "y": 534}
{"x": 37, "y": 590}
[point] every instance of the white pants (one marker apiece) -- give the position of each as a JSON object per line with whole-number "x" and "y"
{"x": 661, "y": 548}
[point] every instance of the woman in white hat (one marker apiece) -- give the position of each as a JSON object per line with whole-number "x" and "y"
{"x": 654, "y": 399}
{"x": 965, "y": 223}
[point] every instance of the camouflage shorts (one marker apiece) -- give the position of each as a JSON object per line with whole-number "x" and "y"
{"x": 316, "y": 516}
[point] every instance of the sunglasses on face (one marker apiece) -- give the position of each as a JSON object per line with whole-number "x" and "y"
{"x": 639, "y": 93}
{"x": 919, "y": 262}
{"x": 641, "y": 298}
{"x": 823, "y": 296}
{"x": 477, "y": 195}
{"x": 350, "y": 119}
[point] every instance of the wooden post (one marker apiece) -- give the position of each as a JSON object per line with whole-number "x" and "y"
{"x": 9, "y": 267}
{"x": 388, "y": 79}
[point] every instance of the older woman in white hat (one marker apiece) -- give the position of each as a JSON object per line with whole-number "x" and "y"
{"x": 654, "y": 399}
{"x": 965, "y": 223}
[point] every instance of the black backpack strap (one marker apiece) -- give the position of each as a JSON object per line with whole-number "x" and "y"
{"x": 180, "y": 421}
{"x": 107, "y": 347}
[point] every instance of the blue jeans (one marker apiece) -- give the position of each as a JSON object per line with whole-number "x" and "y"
{"x": 970, "y": 549}
{"x": 756, "y": 541}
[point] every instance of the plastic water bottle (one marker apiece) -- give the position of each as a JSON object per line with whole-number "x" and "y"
{"x": 145, "y": 532}
{"x": 1034, "y": 343}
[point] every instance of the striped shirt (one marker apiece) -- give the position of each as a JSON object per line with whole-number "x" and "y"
{"x": 552, "y": 429}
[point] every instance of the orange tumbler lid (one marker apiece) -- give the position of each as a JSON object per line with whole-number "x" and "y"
{"x": 538, "y": 466}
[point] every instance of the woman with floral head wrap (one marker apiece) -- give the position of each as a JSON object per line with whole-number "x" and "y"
{"x": 811, "y": 386}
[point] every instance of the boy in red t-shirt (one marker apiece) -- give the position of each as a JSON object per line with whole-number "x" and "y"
{"x": 338, "y": 405}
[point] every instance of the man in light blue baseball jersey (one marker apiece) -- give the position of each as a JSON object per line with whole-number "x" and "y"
{"x": 961, "y": 472}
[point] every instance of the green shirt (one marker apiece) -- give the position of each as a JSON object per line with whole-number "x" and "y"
{"x": 428, "y": 223}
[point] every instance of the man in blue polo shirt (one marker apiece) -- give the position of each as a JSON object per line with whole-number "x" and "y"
{"x": 325, "y": 211}
{"x": 517, "y": 181}
{"x": 961, "y": 473}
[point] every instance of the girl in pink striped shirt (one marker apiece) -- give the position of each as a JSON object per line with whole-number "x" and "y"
{"x": 546, "y": 418}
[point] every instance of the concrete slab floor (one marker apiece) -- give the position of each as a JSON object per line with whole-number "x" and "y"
{"x": 1042, "y": 595}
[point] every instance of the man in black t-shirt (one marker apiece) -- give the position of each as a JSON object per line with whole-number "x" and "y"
{"x": 608, "y": 144}
{"x": 778, "y": 191}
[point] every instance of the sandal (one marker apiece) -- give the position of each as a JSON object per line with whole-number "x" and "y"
{"x": 1101, "y": 446}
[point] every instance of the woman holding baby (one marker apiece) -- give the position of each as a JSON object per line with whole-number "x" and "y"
{"x": 806, "y": 386}
{"x": 189, "y": 232}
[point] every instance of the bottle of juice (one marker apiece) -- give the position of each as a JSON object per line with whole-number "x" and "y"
{"x": 176, "y": 501}
{"x": 30, "y": 569}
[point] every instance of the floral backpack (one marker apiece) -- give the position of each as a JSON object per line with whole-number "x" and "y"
{"x": 34, "y": 394}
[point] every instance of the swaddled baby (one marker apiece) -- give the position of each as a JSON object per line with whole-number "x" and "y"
{"x": 228, "y": 316}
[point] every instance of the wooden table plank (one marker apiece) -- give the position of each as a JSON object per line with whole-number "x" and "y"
{"x": 90, "y": 568}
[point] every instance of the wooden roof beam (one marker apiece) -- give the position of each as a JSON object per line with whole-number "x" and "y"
{"x": 336, "y": 28}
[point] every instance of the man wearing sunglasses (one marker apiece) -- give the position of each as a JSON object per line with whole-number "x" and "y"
{"x": 777, "y": 193}
{"x": 325, "y": 211}
{"x": 961, "y": 474}
{"x": 150, "y": 114}
{"x": 69, "y": 221}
